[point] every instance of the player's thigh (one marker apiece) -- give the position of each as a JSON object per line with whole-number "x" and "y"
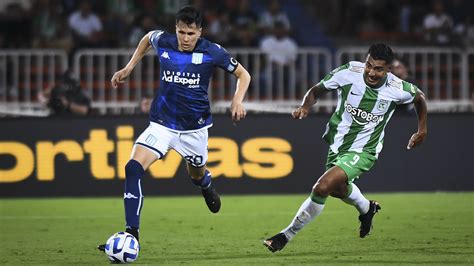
{"x": 193, "y": 148}
{"x": 153, "y": 144}
{"x": 194, "y": 151}
{"x": 143, "y": 155}
{"x": 354, "y": 164}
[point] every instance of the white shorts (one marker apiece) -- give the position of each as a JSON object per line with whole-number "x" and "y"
{"x": 192, "y": 146}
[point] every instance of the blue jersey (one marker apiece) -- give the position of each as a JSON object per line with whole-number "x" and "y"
{"x": 181, "y": 102}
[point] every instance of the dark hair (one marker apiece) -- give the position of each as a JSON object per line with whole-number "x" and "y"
{"x": 189, "y": 15}
{"x": 381, "y": 51}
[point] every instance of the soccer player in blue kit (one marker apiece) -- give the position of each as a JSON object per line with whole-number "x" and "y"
{"x": 180, "y": 113}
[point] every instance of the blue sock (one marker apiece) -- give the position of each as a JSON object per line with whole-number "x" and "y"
{"x": 133, "y": 196}
{"x": 204, "y": 182}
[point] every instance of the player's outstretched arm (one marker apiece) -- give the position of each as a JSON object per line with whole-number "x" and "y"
{"x": 310, "y": 98}
{"x": 421, "y": 112}
{"x": 243, "y": 80}
{"x": 143, "y": 47}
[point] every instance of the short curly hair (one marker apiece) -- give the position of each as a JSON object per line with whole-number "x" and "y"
{"x": 381, "y": 51}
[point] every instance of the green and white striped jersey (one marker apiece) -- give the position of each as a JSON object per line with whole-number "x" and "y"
{"x": 359, "y": 121}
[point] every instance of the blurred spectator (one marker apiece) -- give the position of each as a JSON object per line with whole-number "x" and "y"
{"x": 218, "y": 26}
{"x": 145, "y": 104}
{"x": 123, "y": 8}
{"x": 281, "y": 52}
{"x": 244, "y": 21}
{"x": 272, "y": 15}
{"x": 279, "y": 47}
{"x": 144, "y": 24}
{"x": 220, "y": 29}
{"x": 369, "y": 23}
{"x": 438, "y": 25}
{"x": 243, "y": 16}
{"x": 465, "y": 33}
{"x": 15, "y": 21}
{"x": 405, "y": 16}
{"x": 156, "y": 9}
{"x": 459, "y": 10}
{"x": 400, "y": 70}
{"x": 86, "y": 26}
{"x": 374, "y": 16}
{"x": 66, "y": 97}
{"x": 49, "y": 27}
{"x": 119, "y": 16}
{"x": 243, "y": 36}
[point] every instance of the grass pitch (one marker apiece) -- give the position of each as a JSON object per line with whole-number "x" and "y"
{"x": 427, "y": 228}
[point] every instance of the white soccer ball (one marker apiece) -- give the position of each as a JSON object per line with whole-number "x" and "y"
{"x": 122, "y": 247}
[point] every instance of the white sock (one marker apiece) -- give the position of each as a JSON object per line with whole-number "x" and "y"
{"x": 307, "y": 212}
{"x": 358, "y": 200}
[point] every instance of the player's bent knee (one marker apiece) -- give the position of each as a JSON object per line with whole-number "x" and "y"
{"x": 196, "y": 176}
{"x": 196, "y": 173}
{"x": 321, "y": 189}
{"x": 133, "y": 169}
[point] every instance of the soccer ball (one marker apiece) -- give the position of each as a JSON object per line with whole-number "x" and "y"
{"x": 122, "y": 247}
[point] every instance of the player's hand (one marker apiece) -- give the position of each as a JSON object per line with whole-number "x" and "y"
{"x": 300, "y": 112}
{"x": 416, "y": 139}
{"x": 119, "y": 77}
{"x": 238, "y": 111}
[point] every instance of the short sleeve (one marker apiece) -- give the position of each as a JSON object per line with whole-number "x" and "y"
{"x": 408, "y": 93}
{"x": 334, "y": 79}
{"x": 155, "y": 37}
{"x": 223, "y": 59}
{"x": 97, "y": 23}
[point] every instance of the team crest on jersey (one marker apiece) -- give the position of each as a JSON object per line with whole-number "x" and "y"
{"x": 382, "y": 105}
{"x": 197, "y": 58}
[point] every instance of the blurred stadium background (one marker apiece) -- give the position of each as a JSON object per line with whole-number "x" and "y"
{"x": 50, "y": 59}
{"x": 287, "y": 46}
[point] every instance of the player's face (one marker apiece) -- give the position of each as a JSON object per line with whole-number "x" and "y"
{"x": 188, "y": 35}
{"x": 375, "y": 71}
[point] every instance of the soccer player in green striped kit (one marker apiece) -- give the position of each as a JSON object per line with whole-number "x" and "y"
{"x": 367, "y": 96}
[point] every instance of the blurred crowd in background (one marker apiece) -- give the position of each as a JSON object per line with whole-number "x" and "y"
{"x": 73, "y": 24}
{"x": 276, "y": 27}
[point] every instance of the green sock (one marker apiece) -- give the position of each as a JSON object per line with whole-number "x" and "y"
{"x": 318, "y": 199}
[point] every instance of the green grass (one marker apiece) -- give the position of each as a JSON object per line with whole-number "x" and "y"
{"x": 412, "y": 228}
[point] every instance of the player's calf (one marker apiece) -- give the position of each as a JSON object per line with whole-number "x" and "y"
{"x": 209, "y": 193}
